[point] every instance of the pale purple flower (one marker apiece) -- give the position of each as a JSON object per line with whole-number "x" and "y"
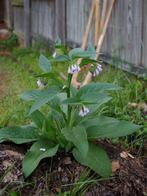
{"x": 84, "y": 111}
{"x": 42, "y": 149}
{"x": 40, "y": 84}
{"x": 73, "y": 69}
{"x": 54, "y": 54}
{"x": 97, "y": 70}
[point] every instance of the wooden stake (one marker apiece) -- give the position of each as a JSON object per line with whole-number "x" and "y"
{"x": 74, "y": 82}
{"x": 103, "y": 17}
{"x": 97, "y": 21}
{"x": 88, "y": 78}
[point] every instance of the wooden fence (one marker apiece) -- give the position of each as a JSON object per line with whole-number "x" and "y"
{"x": 126, "y": 37}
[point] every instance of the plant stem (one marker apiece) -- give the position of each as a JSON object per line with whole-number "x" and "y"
{"x": 68, "y": 96}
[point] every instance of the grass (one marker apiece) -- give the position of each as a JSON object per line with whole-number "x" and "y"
{"x": 15, "y": 80}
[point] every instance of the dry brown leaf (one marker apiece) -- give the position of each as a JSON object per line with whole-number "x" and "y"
{"x": 115, "y": 166}
{"x": 140, "y": 106}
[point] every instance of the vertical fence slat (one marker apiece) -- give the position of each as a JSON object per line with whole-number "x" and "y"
{"x": 27, "y": 23}
{"x": 9, "y": 14}
{"x": 144, "y": 38}
{"x": 60, "y": 22}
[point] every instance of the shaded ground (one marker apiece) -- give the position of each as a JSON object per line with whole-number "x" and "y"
{"x": 62, "y": 173}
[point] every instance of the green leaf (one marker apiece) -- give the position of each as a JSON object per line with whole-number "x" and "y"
{"x": 77, "y": 135}
{"x": 60, "y": 59}
{"x": 48, "y": 129}
{"x": 87, "y": 99}
{"x": 44, "y": 63}
{"x": 80, "y": 53}
{"x": 97, "y": 87}
{"x": 39, "y": 150}
{"x": 92, "y": 50}
{"x": 38, "y": 118}
{"x": 86, "y": 61}
{"x": 96, "y": 159}
{"x": 106, "y": 127}
{"x": 44, "y": 97}
{"x": 30, "y": 95}
{"x": 19, "y": 135}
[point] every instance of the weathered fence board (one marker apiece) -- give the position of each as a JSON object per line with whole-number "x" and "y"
{"x": 126, "y": 36}
{"x": 18, "y": 12}
{"x": 9, "y": 14}
{"x": 43, "y": 18}
{"x": 144, "y": 38}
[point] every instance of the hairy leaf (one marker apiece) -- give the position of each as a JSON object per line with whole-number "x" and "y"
{"x": 39, "y": 150}
{"x": 77, "y": 135}
{"x": 97, "y": 87}
{"x": 44, "y": 63}
{"x": 106, "y": 127}
{"x": 19, "y": 135}
{"x": 38, "y": 118}
{"x": 96, "y": 159}
{"x": 80, "y": 53}
{"x": 44, "y": 97}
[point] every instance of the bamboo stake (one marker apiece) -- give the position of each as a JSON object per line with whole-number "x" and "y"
{"x": 75, "y": 83}
{"x": 97, "y": 21}
{"x": 103, "y": 17}
{"x": 88, "y": 77}
{"x": 85, "y": 39}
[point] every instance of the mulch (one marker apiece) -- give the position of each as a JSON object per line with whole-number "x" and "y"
{"x": 62, "y": 172}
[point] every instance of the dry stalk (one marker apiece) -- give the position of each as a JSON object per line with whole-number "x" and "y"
{"x": 88, "y": 77}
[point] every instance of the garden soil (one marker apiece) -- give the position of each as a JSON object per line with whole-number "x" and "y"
{"x": 62, "y": 173}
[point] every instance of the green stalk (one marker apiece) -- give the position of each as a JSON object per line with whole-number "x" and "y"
{"x": 68, "y": 96}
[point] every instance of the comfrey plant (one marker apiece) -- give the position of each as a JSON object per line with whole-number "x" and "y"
{"x": 73, "y": 122}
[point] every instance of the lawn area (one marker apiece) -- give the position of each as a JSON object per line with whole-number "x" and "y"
{"x": 18, "y": 73}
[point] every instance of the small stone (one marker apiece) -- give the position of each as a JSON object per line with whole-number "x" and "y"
{"x": 64, "y": 179}
{"x": 59, "y": 169}
{"x": 67, "y": 161}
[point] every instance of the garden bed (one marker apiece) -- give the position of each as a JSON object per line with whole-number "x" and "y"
{"x": 63, "y": 174}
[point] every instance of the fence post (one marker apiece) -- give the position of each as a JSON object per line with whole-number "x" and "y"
{"x": 10, "y": 18}
{"x": 60, "y": 21}
{"x": 27, "y": 23}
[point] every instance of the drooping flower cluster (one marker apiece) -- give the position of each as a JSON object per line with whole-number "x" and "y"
{"x": 97, "y": 70}
{"x": 73, "y": 69}
{"x": 84, "y": 111}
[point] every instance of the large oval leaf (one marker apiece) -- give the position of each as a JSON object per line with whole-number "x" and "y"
{"x": 19, "y": 135}
{"x": 43, "y": 97}
{"x": 106, "y": 127}
{"x": 77, "y": 135}
{"x": 97, "y": 87}
{"x": 39, "y": 150}
{"x": 96, "y": 159}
